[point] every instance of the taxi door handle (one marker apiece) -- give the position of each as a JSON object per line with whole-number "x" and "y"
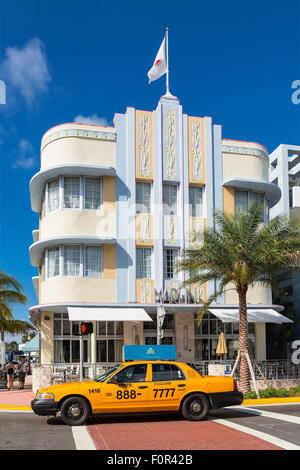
{"x": 143, "y": 386}
{"x": 181, "y": 385}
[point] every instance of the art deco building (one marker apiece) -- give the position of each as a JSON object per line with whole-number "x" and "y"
{"x": 116, "y": 205}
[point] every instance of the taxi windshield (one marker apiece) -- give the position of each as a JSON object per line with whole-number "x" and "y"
{"x": 107, "y": 373}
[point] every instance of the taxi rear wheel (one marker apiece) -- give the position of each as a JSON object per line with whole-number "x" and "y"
{"x": 74, "y": 411}
{"x": 195, "y": 407}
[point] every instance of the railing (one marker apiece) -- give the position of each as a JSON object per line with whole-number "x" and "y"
{"x": 269, "y": 369}
{"x": 50, "y": 374}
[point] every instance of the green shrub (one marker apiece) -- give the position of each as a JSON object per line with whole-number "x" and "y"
{"x": 272, "y": 392}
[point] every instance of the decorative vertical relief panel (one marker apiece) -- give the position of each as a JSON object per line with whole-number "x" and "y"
{"x": 143, "y": 228}
{"x": 170, "y": 142}
{"x": 196, "y": 151}
{"x": 198, "y": 291}
{"x": 144, "y": 136}
{"x": 144, "y": 291}
{"x": 170, "y": 229}
{"x": 197, "y": 226}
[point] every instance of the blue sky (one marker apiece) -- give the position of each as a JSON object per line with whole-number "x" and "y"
{"x": 234, "y": 61}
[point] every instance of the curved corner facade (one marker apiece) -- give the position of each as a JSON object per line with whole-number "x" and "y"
{"x": 116, "y": 205}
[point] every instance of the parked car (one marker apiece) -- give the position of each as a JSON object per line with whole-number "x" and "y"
{"x": 139, "y": 386}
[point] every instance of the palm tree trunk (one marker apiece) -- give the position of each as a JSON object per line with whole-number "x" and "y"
{"x": 244, "y": 380}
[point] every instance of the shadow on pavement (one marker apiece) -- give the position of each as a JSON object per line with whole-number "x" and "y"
{"x": 221, "y": 413}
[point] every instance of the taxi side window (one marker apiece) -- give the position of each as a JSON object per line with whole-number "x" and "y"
{"x": 136, "y": 373}
{"x": 162, "y": 372}
{"x": 177, "y": 373}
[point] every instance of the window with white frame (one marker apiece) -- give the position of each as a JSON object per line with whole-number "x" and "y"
{"x": 72, "y": 192}
{"x": 53, "y": 262}
{"x": 143, "y": 263}
{"x": 53, "y": 195}
{"x": 92, "y": 261}
{"x": 243, "y": 200}
{"x": 170, "y": 199}
{"x": 196, "y": 201}
{"x": 92, "y": 193}
{"x": 143, "y": 198}
{"x": 72, "y": 261}
{"x": 170, "y": 258}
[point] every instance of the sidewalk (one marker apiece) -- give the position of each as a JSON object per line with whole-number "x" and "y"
{"x": 16, "y": 399}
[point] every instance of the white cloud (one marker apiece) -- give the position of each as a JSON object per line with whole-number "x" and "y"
{"x": 92, "y": 119}
{"x": 26, "y": 155}
{"x": 25, "y": 68}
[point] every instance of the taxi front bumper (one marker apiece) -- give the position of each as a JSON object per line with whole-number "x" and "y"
{"x": 223, "y": 399}
{"x": 44, "y": 407}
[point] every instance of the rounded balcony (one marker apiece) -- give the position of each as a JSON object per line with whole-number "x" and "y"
{"x": 74, "y": 143}
{"x": 249, "y": 160}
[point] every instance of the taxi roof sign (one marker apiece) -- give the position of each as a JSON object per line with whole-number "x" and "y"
{"x": 149, "y": 352}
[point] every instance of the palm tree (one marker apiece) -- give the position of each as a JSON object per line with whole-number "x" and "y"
{"x": 239, "y": 251}
{"x": 11, "y": 293}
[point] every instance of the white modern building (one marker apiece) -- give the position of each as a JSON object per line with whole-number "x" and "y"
{"x": 285, "y": 172}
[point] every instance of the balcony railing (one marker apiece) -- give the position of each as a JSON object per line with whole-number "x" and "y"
{"x": 269, "y": 370}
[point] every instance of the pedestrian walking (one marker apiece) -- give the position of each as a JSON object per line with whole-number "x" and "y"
{"x": 10, "y": 371}
{"x": 22, "y": 373}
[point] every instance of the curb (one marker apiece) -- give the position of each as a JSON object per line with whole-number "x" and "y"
{"x": 14, "y": 408}
{"x": 270, "y": 401}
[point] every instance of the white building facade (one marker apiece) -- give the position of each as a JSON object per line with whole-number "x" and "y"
{"x": 116, "y": 205}
{"x": 285, "y": 172}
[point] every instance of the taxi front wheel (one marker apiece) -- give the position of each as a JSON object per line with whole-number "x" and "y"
{"x": 74, "y": 411}
{"x": 195, "y": 407}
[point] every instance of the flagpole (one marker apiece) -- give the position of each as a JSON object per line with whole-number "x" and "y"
{"x": 167, "y": 53}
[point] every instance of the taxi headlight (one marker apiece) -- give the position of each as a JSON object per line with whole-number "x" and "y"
{"x": 45, "y": 396}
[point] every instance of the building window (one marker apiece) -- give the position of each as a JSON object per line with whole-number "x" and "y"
{"x": 143, "y": 263}
{"x": 170, "y": 258}
{"x": 240, "y": 202}
{"x": 243, "y": 200}
{"x": 92, "y": 193}
{"x": 151, "y": 340}
{"x": 71, "y": 192}
{"x": 53, "y": 262}
{"x": 143, "y": 198}
{"x": 185, "y": 338}
{"x": 196, "y": 201}
{"x": 72, "y": 260}
{"x": 92, "y": 262}
{"x": 53, "y": 195}
{"x": 207, "y": 335}
{"x": 66, "y": 341}
{"x": 170, "y": 199}
{"x": 76, "y": 261}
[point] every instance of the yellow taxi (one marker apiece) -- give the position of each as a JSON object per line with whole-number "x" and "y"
{"x": 139, "y": 386}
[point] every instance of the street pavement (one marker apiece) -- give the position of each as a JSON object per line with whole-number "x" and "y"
{"x": 256, "y": 427}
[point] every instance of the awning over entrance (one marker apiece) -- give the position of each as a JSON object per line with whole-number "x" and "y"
{"x": 253, "y": 316}
{"x": 107, "y": 314}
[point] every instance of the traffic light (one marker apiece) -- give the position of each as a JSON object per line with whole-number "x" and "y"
{"x": 86, "y": 328}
